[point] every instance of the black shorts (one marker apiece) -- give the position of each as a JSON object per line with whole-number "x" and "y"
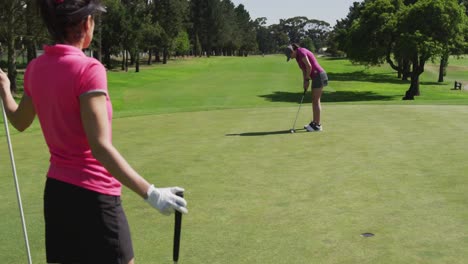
{"x": 320, "y": 81}
{"x": 84, "y": 227}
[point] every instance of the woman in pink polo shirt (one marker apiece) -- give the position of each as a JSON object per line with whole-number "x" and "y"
{"x": 67, "y": 90}
{"x": 311, "y": 70}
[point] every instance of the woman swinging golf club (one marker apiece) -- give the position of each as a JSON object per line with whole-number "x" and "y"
{"x": 84, "y": 218}
{"x": 311, "y": 70}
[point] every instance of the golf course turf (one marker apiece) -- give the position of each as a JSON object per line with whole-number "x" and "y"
{"x": 219, "y": 127}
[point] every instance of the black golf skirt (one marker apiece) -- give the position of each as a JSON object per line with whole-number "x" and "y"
{"x": 83, "y": 226}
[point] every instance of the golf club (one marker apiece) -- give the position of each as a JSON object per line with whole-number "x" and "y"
{"x": 18, "y": 195}
{"x": 293, "y": 130}
{"x": 177, "y": 228}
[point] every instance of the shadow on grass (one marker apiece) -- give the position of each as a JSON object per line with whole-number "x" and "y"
{"x": 362, "y": 76}
{"x": 338, "y": 96}
{"x": 266, "y": 133}
{"x": 433, "y": 83}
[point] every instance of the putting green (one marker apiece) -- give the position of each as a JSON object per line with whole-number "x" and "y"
{"x": 258, "y": 194}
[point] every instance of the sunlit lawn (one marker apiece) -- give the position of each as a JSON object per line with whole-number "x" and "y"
{"x": 258, "y": 194}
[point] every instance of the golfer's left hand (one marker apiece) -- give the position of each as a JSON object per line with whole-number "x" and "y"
{"x": 165, "y": 200}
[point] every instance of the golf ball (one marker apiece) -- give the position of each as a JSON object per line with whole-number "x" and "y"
{"x": 292, "y": 131}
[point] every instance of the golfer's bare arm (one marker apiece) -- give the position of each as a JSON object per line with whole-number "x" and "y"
{"x": 21, "y": 116}
{"x": 95, "y": 123}
{"x": 308, "y": 69}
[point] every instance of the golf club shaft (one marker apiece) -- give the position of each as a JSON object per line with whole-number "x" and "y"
{"x": 18, "y": 195}
{"x": 177, "y": 229}
{"x": 298, "y": 110}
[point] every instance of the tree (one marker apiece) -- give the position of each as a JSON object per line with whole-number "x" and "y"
{"x": 452, "y": 49}
{"x": 265, "y": 36}
{"x": 171, "y": 15}
{"x": 295, "y": 28}
{"x": 181, "y": 44}
{"x": 229, "y": 37}
{"x": 317, "y": 31}
{"x": 205, "y": 17}
{"x": 111, "y": 28}
{"x": 136, "y": 14}
{"x": 35, "y": 32}
{"x": 338, "y": 39}
{"x": 246, "y": 31}
{"x": 11, "y": 30}
{"x": 395, "y": 30}
{"x": 308, "y": 43}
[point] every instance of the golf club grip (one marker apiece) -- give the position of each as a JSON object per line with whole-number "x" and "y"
{"x": 177, "y": 228}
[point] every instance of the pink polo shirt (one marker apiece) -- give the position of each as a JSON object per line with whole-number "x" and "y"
{"x": 55, "y": 81}
{"x": 316, "y": 68}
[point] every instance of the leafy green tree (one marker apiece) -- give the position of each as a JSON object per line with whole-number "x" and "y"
{"x": 338, "y": 40}
{"x": 396, "y": 30}
{"x": 453, "y": 49}
{"x": 182, "y": 44}
{"x": 308, "y": 43}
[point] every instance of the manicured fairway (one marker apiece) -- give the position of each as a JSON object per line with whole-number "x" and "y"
{"x": 258, "y": 194}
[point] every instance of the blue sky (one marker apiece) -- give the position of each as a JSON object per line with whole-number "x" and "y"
{"x": 274, "y": 10}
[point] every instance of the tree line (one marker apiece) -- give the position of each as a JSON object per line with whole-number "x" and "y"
{"x": 160, "y": 29}
{"x": 406, "y": 34}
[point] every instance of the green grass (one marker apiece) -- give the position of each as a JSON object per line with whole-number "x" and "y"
{"x": 221, "y": 83}
{"x": 257, "y": 194}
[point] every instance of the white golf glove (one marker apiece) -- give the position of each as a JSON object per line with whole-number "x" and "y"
{"x": 165, "y": 200}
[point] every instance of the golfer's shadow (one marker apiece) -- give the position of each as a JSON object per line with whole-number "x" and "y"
{"x": 266, "y": 133}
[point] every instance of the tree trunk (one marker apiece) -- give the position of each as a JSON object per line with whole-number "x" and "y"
{"x": 406, "y": 74}
{"x": 123, "y": 60}
{"x": 126, "y": 60}
{"x": 150, "y": 54}
{"x": 132, "y": 57}
{"x": 157, "y": 56}
{"x": 11, "y": 61}
{"x": 11, "y": 53}
{"x": 31, "y": 50}
{"x": 414, "y": 87}
{"x": 137, "y": 61}
{"x": 400, "y": 75}
{"x": 29, "y": 40}
{"x": 443, "y": 67}
{"x": 107, "y": 58}
{"x": 165, "y": 56}
{"x": 99, "y": 39}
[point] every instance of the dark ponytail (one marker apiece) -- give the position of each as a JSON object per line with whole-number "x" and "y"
{"x": 59, "y": 15}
